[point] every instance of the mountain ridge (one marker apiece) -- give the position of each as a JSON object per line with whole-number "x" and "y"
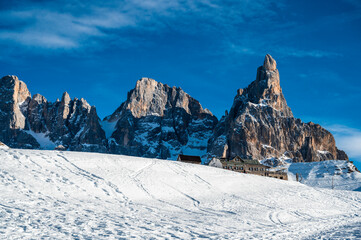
{"x": 160, "y": 121}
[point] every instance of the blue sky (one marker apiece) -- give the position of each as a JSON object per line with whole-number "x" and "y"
{"x": 210, "y": 48}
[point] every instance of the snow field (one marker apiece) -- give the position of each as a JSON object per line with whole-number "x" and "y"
{"x": 73, "y": 195}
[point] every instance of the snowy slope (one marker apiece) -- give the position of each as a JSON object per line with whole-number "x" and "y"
{"x": 327, "y": 174}
{"x": 3, "y": 146}
{"x": 64, "y": 195}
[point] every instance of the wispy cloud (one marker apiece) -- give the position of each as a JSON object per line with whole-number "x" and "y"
{"x": 49, "y": 29}
{"x": 347, "y": 139}
{"x": 59, "y": 24}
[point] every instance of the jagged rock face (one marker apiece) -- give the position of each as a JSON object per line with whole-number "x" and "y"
{"x": 71, "y": 123}
{"x": 14, "y": 99}
{"x": 160, "y": 121}
{"x": 261, "y": 125}
{"x": 28, "y": 122}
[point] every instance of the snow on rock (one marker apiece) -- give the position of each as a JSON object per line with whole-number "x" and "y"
{"x": 215, "y": 162}
{"x": 73, "y": 195}
{"x": 42, "y": 139}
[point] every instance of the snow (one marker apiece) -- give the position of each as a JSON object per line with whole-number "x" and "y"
{"x": 79, "y": 132}
{"x": 42, "y": 139}
{"x": 77, "y": 195}
{"x": 267, "y": 146}
{"x": 323, "y": 152}
{"x": 251, "y": 117}
{"x": 326, "y": 174}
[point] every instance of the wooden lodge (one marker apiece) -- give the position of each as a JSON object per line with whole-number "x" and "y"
{"x": 251, "y": 166}
{"x": 280, "y": 174}
{"x": 243, "y": 165}
{"x": 189, "y": 159}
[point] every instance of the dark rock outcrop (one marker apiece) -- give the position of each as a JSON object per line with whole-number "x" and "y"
{"x": 14, "y": 101}
{"x": 261, "y": 125}
{"x": 34, "y": 122}
{"x": 160, "y": 121}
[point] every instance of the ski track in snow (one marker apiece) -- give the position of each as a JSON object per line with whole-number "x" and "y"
{"x": 73, "y": 195}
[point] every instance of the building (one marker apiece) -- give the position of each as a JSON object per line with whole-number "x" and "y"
{"x": 280, "y": 174}
{"x": 189, "y": 159}
{"x": 242, "y": 165}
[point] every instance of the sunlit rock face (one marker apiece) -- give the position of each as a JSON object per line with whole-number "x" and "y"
{"x": 261, "y": 125}
{"x": 14, "y": 101}
{"x": 160, "y": 121}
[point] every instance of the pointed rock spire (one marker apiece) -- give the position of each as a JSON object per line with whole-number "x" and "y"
{"x": 269, "y": 63}
{"x": 65, "y": 98}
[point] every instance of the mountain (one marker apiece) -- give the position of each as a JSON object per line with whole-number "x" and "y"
{"x": 261, "y": 125}
{"x": 160, "y": 121}
{"x": 34, "y": 122}
{"x": 76, "y": 195}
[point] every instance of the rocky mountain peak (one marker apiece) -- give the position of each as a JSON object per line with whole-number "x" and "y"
{"x": 157, "y": 120}
{"x": 65, "y": 99}
{"x": 145, "y": 81}
{"x": 269, "y": 63}
{"x": 18, "y": 89}
{"x": 261, "y": 125}
{"x": 266, "y": 89}
{"x": 147, "y": 98}
{"x": 39, "y": 98}
{"x": 152, "y": 98}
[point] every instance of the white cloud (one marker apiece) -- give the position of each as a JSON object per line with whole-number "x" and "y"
{"x": 48, "y": 29}
{"x": 63, "y": 25}
{"x": 347, "y": 139}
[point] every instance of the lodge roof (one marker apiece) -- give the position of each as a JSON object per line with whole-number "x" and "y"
{"x": 241, "y": 161}
{"x": 246, "y": 161}
{"x": 188, "y": 158}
